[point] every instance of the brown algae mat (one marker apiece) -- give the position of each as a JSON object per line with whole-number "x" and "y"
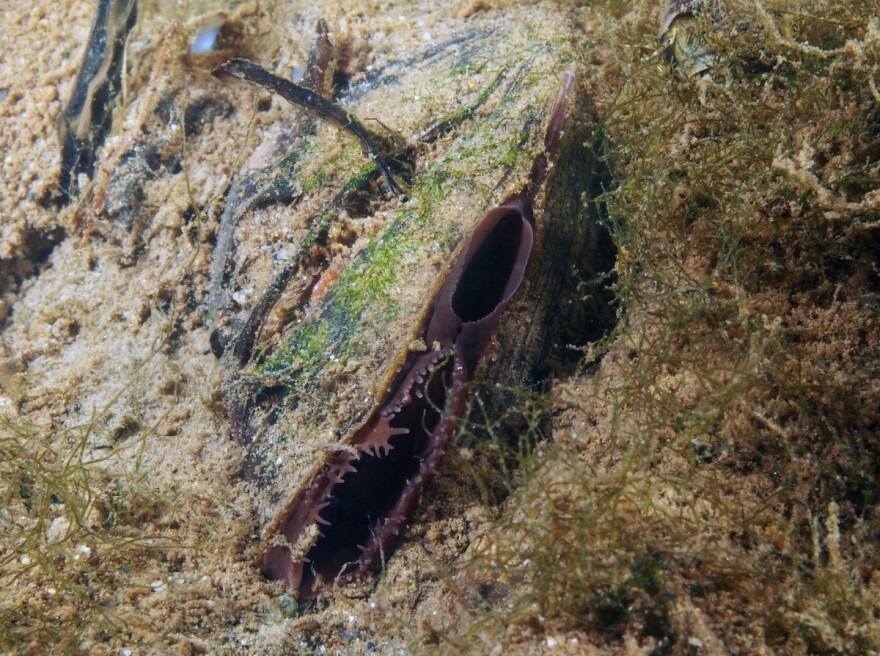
{"x": 699, "y": 479}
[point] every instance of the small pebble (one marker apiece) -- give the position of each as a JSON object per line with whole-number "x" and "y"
{"x": 205, "y": 41}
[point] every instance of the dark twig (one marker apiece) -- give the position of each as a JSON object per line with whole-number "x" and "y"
{"x": 87, "y": 118}
{"x": 314, "y": 102}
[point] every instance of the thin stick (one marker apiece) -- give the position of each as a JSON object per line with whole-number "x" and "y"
{"x": 314, "y": 102}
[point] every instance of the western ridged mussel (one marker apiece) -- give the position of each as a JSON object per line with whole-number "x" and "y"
{"x": 348, "y": 375}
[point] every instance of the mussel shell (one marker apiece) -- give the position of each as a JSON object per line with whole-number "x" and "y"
{"x": 478, "y": 105}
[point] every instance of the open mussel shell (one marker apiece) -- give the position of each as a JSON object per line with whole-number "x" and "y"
{"x": 388, "y": 347}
